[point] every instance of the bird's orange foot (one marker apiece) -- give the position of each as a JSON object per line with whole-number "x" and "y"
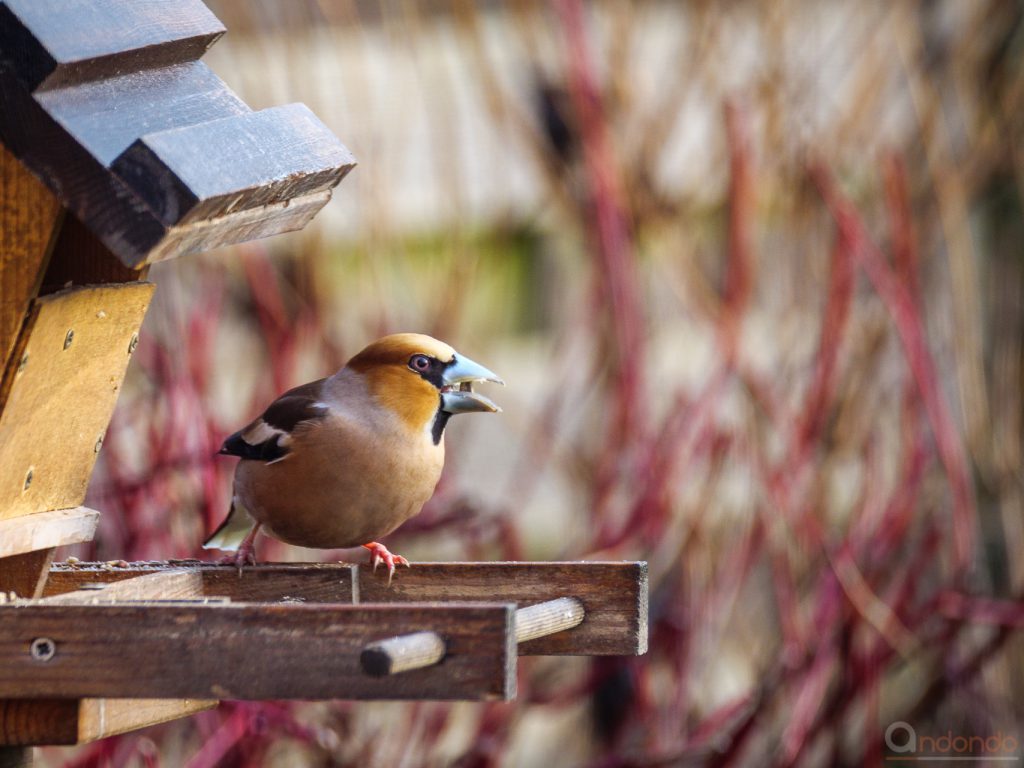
{"x": 379, "y": 554}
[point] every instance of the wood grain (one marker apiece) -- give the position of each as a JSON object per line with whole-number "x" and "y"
{"x": 279, "y": 582}
{"x": 74, "y": 349}
{"x": 547, "y": 618}
{"x": 614, "y": 596}
{"x": 29, "y": 216}
{"x": 165, "y": 585}
{"x": 145, "y": 144}
{"x": 91, "y": 41}
{"x": 79, "y": 258}
{"x": 25, "y": 575}
{"x": 77, "y": 721}
{"x": 253, "y": 651}
{"x": 210, "y": 169}
{"x": 44, "y": 530}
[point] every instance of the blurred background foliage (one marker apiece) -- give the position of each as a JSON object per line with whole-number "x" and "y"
{"x": 754, "y": 274}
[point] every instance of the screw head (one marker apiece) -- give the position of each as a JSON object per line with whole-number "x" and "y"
{"x": 43, "y": 649}
{"x": 28, "y": 479}
{"x": 68, "y": 338}
{"x": 133, "y": 343}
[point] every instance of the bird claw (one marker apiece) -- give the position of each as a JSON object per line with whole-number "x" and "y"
{"x": 242, "y": 557}
{"x": 380, "y": 554}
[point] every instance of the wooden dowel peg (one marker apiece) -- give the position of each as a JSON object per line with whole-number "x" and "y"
{"x": 548, "y": 618}
{"x": 403, "y": 653}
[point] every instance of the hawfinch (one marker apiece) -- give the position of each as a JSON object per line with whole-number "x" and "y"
{"x": 343, "y": 461}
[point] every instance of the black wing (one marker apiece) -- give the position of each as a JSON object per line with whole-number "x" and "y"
{"x": 269, "y": 436}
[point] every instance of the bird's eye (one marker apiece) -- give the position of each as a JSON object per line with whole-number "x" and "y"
{"x": 419, "y": 362}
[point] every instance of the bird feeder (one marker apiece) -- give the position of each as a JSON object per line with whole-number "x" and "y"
{"x": 119, "y": 148}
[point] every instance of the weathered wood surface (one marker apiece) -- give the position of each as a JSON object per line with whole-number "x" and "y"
{"x": 143, "y": 142}
{"x": 279, "y": 582}
{"x": 45, "y": 530}
{"x": 29, "y": 216}
{"x": 73, "y": 353}
{"x": 613, "y": 595}
{"x": 252, "y": 651}
{"x": 165, "y": 585}
{"x": 77, "y": 721}
{"x": 49, "y": 45}
{"x": 25, "y": 575}
{"x": 209, "y": 170}
{"x": 74, "y": 721}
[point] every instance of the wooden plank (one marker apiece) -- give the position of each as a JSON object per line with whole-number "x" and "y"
{"x": 63, "y": 722}
{"x": 164, "y": 585}
{"x": 74, "y": 352}
{"x": 45, "y": 530}
{"x": 208, "y": 170}
{"x": 75, "y": 721}
{"x": 238, "y": 227}
{"x": 277, "y": 582}
{"x": 29, "y": 216}
{"x": 253, "y": 651}
{"x": 614, "y": 597}
{"x": 25, "y": 575}
{"x": 146, "y": 101}
{"x": 47, "y": 46}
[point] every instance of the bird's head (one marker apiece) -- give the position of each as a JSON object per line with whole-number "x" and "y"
{"x": 422, "y": 380}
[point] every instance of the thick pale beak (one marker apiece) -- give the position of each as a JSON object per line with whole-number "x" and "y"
{"x": 457, "y": 395}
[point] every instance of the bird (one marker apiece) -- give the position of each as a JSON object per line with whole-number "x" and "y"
{"x": 345, "y": 460}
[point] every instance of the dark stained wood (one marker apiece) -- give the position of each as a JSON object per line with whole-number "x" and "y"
{"x": 79, "y": 258}
{"x": 142, "y": 142}
{"x": 147, "y": 102}
{"x": 253, "y": 651}
{"x": 283, "y": 582}
{"x": 48, "y": 46}
{"x": 78, "y": 721}
{"x": 25, "y": 575}
{"x": 215, "y": 168}
{"x": 29, "y": 216}
{"x": 614, "y": 596}
{"x": 75, "y": 347}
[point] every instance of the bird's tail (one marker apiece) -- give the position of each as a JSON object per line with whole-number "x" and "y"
{"x": 232, "y": 531}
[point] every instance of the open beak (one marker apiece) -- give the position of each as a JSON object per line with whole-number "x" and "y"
{"x": 457, "y": 395}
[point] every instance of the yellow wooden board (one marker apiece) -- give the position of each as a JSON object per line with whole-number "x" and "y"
{"x": 29, "y": 215}
{"x": 56, "y": 404}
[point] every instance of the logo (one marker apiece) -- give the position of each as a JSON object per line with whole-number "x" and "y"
{"x": 903, "y": 739}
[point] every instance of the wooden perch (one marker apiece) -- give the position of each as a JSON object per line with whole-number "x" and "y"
{"x": 247, "y": 651}
{"x": 424, "y": 649}
{"x": 109, "y": 106}
{"x": 614, "y": 596}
